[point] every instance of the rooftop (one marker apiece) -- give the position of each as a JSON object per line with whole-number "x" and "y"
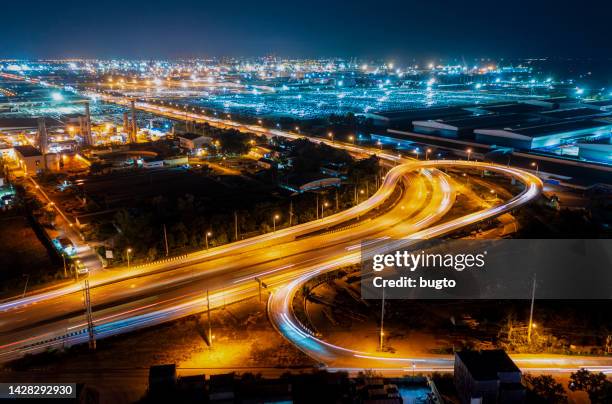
{"x": 21, "y": 123}
{"x": 573, "y": 113}
{"x": 423, "y": 113}
{"x": 513, "y": 108}
{"x": 28, "y": 151}
{"x": 190, "y": 136}
{"x": 490, "y": 120}
{"x": 557, "y": 128}
{"x": 486, "y": 365}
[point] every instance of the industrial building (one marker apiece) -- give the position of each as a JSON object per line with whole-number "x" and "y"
{"x": 599, "y": 150}
{"x": 32, "y": 162}
{"x": 464, "y": 127}
{"x": 192, "y": 141}
{"x": 404, "y": 119}
{"x": 542, "y": 136}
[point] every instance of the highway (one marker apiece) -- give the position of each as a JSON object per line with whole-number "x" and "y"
{"x": 229, "y": 272}
{"x": 153, "y": 297}
{"x": 147, "y": 295}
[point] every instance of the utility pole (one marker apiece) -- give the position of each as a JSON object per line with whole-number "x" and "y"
{"x": 382, "y": 320}
{"x": 25, "y": 288}
{"x": 90, "y": 327}
{"x": 235, "y": 226}
{"x": 337, "y": 202}
{"x": 260, "y": 284}
{"x": 210, "y": 342}
{"x": 166, "y": 240}
{"x": 531, "y": 311}
{"x": 64, "y": 260}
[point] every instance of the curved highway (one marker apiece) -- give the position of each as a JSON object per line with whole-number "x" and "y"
{"x": 150, "y": 298}
{"x": 333, "y": 356}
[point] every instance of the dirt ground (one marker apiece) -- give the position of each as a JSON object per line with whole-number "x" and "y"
{"x": 244, "y": 341}
{"x": 22, "y": 253}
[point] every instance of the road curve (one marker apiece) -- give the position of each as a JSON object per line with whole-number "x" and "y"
{"x": 173, "y": 294}
{"x": 338, "y": 357}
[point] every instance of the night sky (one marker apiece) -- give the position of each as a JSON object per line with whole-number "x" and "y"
{"x": 397, "y": 30}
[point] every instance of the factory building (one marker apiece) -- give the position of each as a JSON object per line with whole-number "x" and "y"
{"x": 32, "y": 162}
{"x": 193, "y": 141}
{"x": 599, "y": 150}
{"x": 464, "y": 127}
{"x": 404, "y": 119}
{"x": 542, "y": 136}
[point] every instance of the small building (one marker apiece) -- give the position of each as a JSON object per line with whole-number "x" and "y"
{"x": 483, "y": 377}
{"x": 193, "y": 141}
{"x": 222, "y": 388}
{"x": 162, "y": 378}
{"x": 32, "y": 162}
{"x": 266, "y": 163}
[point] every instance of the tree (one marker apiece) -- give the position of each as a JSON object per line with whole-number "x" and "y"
{"x": 546, "y": 388}
{"x": 234, "y": 142}
{"x": 596, "y": 385}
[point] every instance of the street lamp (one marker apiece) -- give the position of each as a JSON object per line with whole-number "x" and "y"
{"x": 206, "y": 236}
{"x": 427, "y": 154}
{"x": 297, "y": 128}
{"x": 379, "y": 143}
{"x": 351, "y": 139}
{"x": 259, "y": 122}
{"x": 331, "y": 136}
{"x": 469, "y": 152}
{"x": 129, "y": 250}
{"x": 416, "y": 151}
{"x": 534, "y": 164}
{"x": 274, "y": 219}
{"x": 325, "y": 204}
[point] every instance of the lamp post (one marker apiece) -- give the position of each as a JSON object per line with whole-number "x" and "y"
{"x": 351, "y": 139}
{"x": 416, "y": 151}
{"x": 427, "y": 154}
{"x": 331, "y": 136}
{"x": 129, "y": 250}
{"x": 26, "y": 284}
{"x": 274, "y": 219}
{"x": 206, "y": 236}
{"x": 325, "y": 204}
{"x": 469, "y": 152}
{"x": 534, "y": 164}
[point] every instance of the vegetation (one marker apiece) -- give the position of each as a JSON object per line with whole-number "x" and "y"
{"x": 545, "y": 389}
{"x": 596, "y": 385}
